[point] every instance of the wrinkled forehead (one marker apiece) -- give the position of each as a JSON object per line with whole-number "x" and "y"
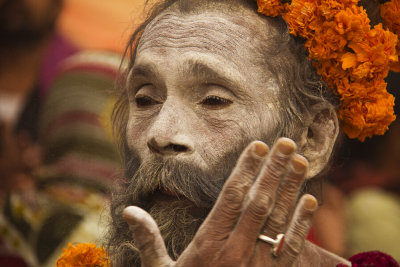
{"x": 236, "y": 34}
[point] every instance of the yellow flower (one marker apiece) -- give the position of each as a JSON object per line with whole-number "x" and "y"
{"x": 85, "y": 255}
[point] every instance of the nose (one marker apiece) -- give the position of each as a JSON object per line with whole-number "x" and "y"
{"x": 169, "y": 133}
{"x": 167, "y": 147}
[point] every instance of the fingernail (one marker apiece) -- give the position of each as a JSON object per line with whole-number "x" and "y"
{"x": 310, "y": 203}
{"x": 286, "y": 146}
{"x": 299, "y": 164}
{"x": 260, "y": 149}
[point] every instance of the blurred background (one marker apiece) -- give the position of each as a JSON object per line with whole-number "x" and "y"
{"x": 58, "y": 63}
{"x": 59, "y": 60}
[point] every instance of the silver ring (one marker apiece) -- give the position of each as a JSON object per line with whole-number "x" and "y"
{"x": 277, "y": 243}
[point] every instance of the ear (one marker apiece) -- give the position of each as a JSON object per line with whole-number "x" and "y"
{"x": 318, "y": 137}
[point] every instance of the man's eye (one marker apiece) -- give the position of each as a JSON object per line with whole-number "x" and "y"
{"x": 144, "y": 101}
{"x": 213, "y": 101}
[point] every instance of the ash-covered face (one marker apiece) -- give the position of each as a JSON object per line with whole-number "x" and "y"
{"x": 198, "y": 89}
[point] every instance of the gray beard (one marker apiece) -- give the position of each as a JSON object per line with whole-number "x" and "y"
{"x": 178, "y": 218}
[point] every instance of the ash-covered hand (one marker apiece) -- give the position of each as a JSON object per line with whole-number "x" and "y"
{"x": 259, "y": 197}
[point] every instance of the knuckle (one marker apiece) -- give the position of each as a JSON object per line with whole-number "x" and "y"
{"x": 280, "y": 160}
{"x": 300, "y": 229}
{"x": 201, "y": 242}
{"x": 293, "y": 183}
{"x": 250, "y": 165}
{"x": 233, "y": 197}
{"x": 276, "y": 170}
{"x": 277, "y": 221}
{"x": 259, "y": 208}
{"x": 245, "y": 174}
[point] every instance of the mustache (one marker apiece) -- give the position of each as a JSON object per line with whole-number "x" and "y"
{"x": 182, "y": 178}
{"x": 178, "y": 220}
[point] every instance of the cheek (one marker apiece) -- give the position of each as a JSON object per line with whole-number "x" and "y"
{"x": 136, "y": 130}
{"x": 220, "y": 135}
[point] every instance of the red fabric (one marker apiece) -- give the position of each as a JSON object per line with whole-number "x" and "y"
{"x": 371, "y": 259}
{"x": 12, "y": 261}
{"x": 312, "y": 237}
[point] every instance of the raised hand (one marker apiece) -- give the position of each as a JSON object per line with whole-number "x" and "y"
{"x": 259, "y": 197}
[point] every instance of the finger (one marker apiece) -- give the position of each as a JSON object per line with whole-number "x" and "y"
{"x": 287, "y": 195}
{"x": 147, "y": 237}
{"x": 298, "y": 229}
{"x": 227, "y": 208}
{"x": 261, "y": 196}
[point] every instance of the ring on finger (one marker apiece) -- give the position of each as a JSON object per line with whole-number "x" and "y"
{"x": 277, "y": 243}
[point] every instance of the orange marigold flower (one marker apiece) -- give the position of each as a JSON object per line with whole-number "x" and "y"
{"x": 362, "y": 118}
{"x": 331, "y": 71}
{"x": 353, "y": 23}
{"x": 329, "y": 8}
{"x": 378, "y": 48}
{"x": 86, "y": 254}
{"x": 350, "y": 56}
{"x": 271, "y": 8}
{"x": 349, "y": 60}
{"x": 390, "y": 14}
{"x": 327, "y": 43}
{"x": 362, "y": 89}
{"x": 300, "y": 17}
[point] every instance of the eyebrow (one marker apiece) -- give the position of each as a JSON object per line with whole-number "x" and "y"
{"x": 201, "y": 71}
{"x": 143, "y": 70}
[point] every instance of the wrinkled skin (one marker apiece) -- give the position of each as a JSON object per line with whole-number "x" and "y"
{"x": 196, "y": 89}
{"x": 190, "y": 89}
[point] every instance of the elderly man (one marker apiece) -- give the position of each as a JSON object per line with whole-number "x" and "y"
{"x": 210, "y": 84}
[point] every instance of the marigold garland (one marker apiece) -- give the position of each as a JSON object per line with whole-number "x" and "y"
{"x": 350, "y": 56}
{"x": 83, "y": 255}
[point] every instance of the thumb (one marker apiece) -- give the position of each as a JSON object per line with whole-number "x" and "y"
{"x": 147, "y": 238}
